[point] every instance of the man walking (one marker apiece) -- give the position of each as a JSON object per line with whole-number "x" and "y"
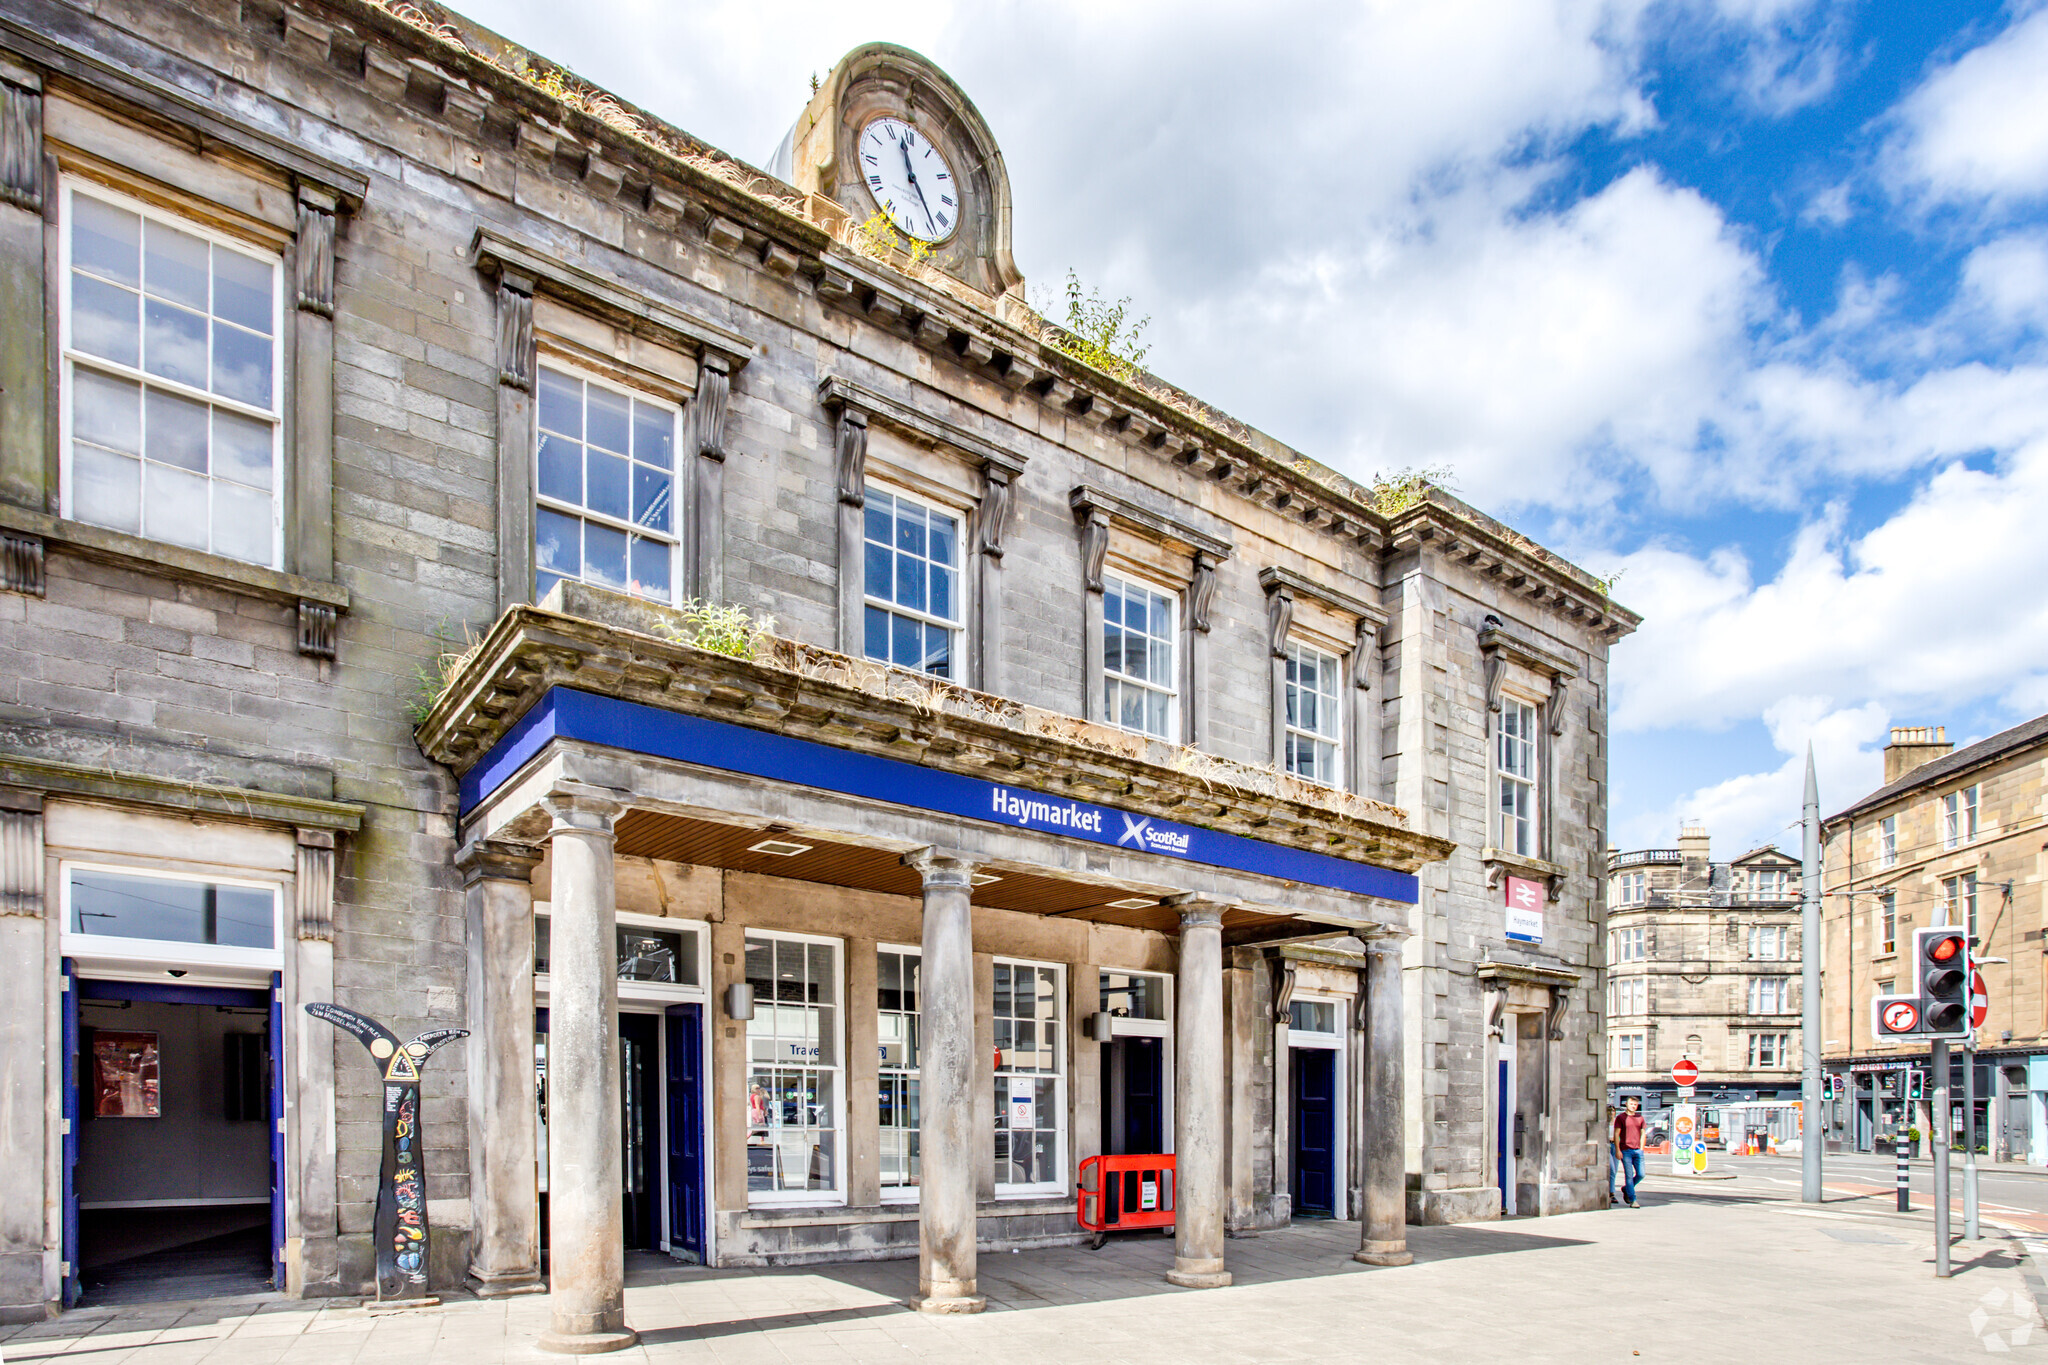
{"x": 1626, "y": 1142}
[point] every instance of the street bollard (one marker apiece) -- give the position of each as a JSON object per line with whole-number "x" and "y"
{"x": 1905, "y": 1176}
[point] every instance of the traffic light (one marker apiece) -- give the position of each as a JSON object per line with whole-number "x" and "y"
{"x": 1916, "y": 1085}
{"x": 1942, "y": 959}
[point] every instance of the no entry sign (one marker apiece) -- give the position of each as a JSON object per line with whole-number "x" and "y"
{"x": 1980, "y": 1000}
{"x": 1685, "y": 1072}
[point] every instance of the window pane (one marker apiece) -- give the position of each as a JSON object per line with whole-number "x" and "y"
{"x": 942, "y": 594}
{"x": 944, "y": 540}
{"x": 103, "y": 320}
{"x": 174, "y": 265}
{"x": 610, "y": 416}
{"x": 106, "y": 240}
{"x": 123, "y": 905}
{"x": 652, "y": 560}
{"x": 107, "y": 412}
{"x": 241, "y": 290}
{"x": 910, "y": 582}
{"x": 910, "y": 530}
{"x": 654, "y": 435}
{"x": 106, "y": 489}
{"x": 242, "y": 449}
{"x": 241, "y": 522}
{"x": 176, "y": 430}
{"x": 652, "y": 504}
{"x": 561, "y": 403}
{"x": 604, "y": 488}
{"x": 561, "y": 469}
{"x": 824, "y": 989}
{"x": 176, "y": 506}
{"x": 241, "y": 365}
{"x": 907, "y": 644}
{"x": 604, "y": 555}
{"x": 558, "y": 542}
{"x": 876, "y": 635}
{"x": 174, "y": 342}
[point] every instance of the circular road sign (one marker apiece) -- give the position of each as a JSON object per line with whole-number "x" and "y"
{"x": 1980, "y": 1000}
{"x": 1685, "y": 1072}
{"x": 1901, "y": 1016}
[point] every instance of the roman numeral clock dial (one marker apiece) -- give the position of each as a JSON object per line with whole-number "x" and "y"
{"x": 909, "y": 179}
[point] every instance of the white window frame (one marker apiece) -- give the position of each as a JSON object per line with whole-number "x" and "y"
{"x": 898, "y": 1194}
{"x": 1774, "y": 991}
{"x": 1631, "y": 1051}
{"x": 1123, "y": 1026}
{"x": 835, "y": 1198}
{"x": 673, "y": 538}
{"x": 1629, "y": 944}
{"x": 1112, "y": 680}
{"x": 1780, "y": 1045}
{"x": 69, "y": 187}
{"x": 1888, "y": 841}
{"x": 1777, "y": 936}
{"x": 955, "y": 626}
{"x": 652, "y": 992}
{"x": 1631, "y": 888}
{"x": 1959, "y": 817}
{"x": 150, "y": 956}
{"x": 1525, "y": 839}
{"x": 1062, "y": 1138}
{"x": 1329, "y": 706}
{"x": 1888, "y": 921}
{"x": 1959, "y": 901}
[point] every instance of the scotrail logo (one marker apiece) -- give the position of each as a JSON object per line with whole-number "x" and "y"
{"x": 1138, "y": 832}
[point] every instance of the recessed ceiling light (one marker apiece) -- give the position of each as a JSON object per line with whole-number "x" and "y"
{"x": 984, "y": 878}
{"x": 1134, "y": 903}
{"x": 780, "y": 848}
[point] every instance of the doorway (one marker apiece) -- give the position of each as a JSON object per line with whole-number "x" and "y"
{"x": 1313, "y": 1121}
{"x": 1134, "y": 1096}
{"x": 173, "y": 1179}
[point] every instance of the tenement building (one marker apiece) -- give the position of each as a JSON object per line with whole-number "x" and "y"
{"x": 1703, "y": 963}
{"x": 477, "y": 557}
{"x": 1953, "y": 837}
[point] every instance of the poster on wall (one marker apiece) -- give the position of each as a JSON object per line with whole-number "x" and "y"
{"x": 125, "y": 1078}
{"x": 1525, "y": 910}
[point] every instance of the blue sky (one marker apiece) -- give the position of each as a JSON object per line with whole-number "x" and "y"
{"x": 1744, "y": 299}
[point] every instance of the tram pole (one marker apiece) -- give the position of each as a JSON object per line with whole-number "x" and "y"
{"x": 1810, "y": 1126}
{"x": 1938, "y": 1061}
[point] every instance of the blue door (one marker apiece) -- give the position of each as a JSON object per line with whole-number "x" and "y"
{"x": 1144, "y": 1094}
{"x": 1315, "y": 1131}
{"x": 1503, "y": 1158}
{"x": 68, "y": 983}
{"x": 686, "y": 1132}
{"x": 276, "y": 1070}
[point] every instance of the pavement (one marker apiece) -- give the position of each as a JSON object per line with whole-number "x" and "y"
{"x": 1701, "y": 1272}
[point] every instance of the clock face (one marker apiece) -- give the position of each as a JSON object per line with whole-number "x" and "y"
{"x": 910, "y": 179}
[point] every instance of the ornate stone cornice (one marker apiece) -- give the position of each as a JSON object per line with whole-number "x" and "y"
{"x": 1088, "y": 499}
{"x": 617, "y": 646}
{"x": 161, "y": 793}
{"x": 1463, "y": 535}
{"x": 839, "y": 394}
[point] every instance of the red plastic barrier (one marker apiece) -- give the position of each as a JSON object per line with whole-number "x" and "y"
{"x": 1126, "y": 1192}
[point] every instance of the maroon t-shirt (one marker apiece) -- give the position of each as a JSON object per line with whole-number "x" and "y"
{"x": 1628, "y": 1131}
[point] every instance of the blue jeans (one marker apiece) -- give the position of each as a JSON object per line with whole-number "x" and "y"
{"x": 1631, "y": 1172}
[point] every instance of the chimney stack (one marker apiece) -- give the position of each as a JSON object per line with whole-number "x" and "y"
{"x": 1913, "y": 746}
{"x": 1693, "y": 846}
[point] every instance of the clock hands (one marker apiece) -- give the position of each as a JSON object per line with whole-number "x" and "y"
{"x": 904, "y": 147}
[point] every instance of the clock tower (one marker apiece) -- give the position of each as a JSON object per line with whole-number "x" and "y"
{"x": 890, "y": 133}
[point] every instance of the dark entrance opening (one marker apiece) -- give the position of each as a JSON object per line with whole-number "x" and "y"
{"x": 1314, "y": 1125}
{"x": 172, "y": 1183}
{"x": 1134, "y": 1096}
{"x": 686, "y": 1132}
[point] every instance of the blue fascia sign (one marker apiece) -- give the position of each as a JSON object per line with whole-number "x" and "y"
{"x": 567, "y": 713}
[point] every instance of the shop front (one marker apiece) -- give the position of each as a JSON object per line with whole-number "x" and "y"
{"x": 938, "y": 953}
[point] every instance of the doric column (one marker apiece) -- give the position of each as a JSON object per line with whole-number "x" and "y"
{"x": 309, "y": 1080}
{"x": 503, "y": 1128}
{"x": 1198, "y": 1118}
{"x": 26, "y": 1093}
{"x": 586, "y": 1234}
{"x": 1384, "y": 1227}
{"x": 946, "y": 1071}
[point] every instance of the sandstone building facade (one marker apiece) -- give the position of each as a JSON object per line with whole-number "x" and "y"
{"x": 1954, "y": 836}
{"x": 375, "y": 403}
{"x": 1703, "y": 963}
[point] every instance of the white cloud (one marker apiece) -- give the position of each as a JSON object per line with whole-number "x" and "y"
{"x": 1744, "y": 812}
{"x": 2007, "y": 280}
{"x": 1977, "y": 129}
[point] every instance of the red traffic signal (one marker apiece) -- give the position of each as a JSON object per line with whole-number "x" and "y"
{"x": 1941, "y": 959}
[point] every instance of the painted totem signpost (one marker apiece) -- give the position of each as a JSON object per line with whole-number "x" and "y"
{"x": 401, "y": 1228}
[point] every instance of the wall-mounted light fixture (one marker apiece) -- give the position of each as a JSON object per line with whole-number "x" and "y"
{"x": 1099, "y": 1025}
{"x": 739, "y": 1001}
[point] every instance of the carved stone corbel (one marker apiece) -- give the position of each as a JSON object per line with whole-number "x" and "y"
{"x": 516, "y": 358}
{"x": 319, "y": 629}
{"x": 1094, "y": 548}
{"x": 1363, "y": 653}
{"x": 1560, "y": 693}
{"x": 1283, "y": 998}
{"x": 21, "y": 146}
{"x": 22, "y": 567}
{"x": 315, "y": 254}
{"x": 994, "y": 518}
{"x": 853, "y": 456}
{"x": 315, "y": 917}
{"x": 1201, "y": 591}
{"x": 1279, "y": 619}
{"x": 714, "y": 387}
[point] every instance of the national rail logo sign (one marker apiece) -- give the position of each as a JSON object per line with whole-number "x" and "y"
{"x": 1140, "y": 832}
